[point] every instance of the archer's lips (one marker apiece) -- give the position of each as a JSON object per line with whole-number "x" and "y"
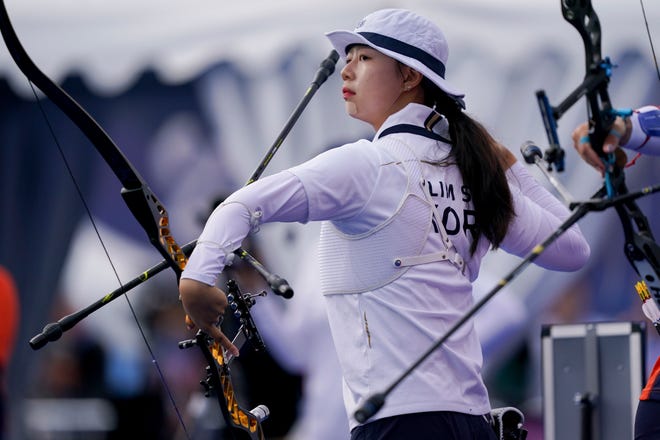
{"x": 347, "y": 93}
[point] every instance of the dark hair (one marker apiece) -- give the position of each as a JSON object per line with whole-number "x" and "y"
{"x": 475, "y": 154}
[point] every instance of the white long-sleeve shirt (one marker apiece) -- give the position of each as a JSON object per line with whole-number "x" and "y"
{"x": 378, "y": 334}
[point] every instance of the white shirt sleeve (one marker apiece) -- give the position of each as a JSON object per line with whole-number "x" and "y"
{"x": 279, "y": 197}
{"x": 333, "y": 185}
{"x": 537, "y": 215}
{"x": 340, "y": 181}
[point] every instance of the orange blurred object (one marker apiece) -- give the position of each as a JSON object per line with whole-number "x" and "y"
{"x": 9, "y": 313}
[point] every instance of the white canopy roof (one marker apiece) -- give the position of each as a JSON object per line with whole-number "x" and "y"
{"x": 110, "y": 43}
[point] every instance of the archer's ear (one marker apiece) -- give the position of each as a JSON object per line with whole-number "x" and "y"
{"x": 411, "y": 77}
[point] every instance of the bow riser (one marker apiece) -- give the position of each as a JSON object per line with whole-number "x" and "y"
{"x": 218, "y": 377}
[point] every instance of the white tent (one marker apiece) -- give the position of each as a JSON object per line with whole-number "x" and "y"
{"x": 111, "y": 42}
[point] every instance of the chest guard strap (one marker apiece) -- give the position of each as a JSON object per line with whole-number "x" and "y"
{"x": 365, "y": 262}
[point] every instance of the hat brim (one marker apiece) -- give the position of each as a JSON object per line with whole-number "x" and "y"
{"x": 341, "y": 40}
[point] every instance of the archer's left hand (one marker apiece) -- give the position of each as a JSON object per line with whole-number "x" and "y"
{"x": 204, "y": 305}
{"x": 618, "y": 135}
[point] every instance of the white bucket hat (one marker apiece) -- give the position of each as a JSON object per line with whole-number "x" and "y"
{"x": 405, "y": 36}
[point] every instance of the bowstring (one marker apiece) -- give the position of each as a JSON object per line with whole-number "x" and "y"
{"x": 648, "y": 31}
{"x": 88, "y": 212}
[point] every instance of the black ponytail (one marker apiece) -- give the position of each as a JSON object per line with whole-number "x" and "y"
{"x": 475, "y": 154}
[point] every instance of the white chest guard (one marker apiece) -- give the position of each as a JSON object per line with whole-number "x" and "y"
{"x": 368, "y": 261}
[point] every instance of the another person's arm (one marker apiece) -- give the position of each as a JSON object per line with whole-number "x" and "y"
{"x": 640, "y": 133}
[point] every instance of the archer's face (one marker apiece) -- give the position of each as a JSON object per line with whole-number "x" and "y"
{"x": 372, "y": 85}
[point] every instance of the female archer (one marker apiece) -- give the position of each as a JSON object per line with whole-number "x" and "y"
{"x": 407, "y": 218}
